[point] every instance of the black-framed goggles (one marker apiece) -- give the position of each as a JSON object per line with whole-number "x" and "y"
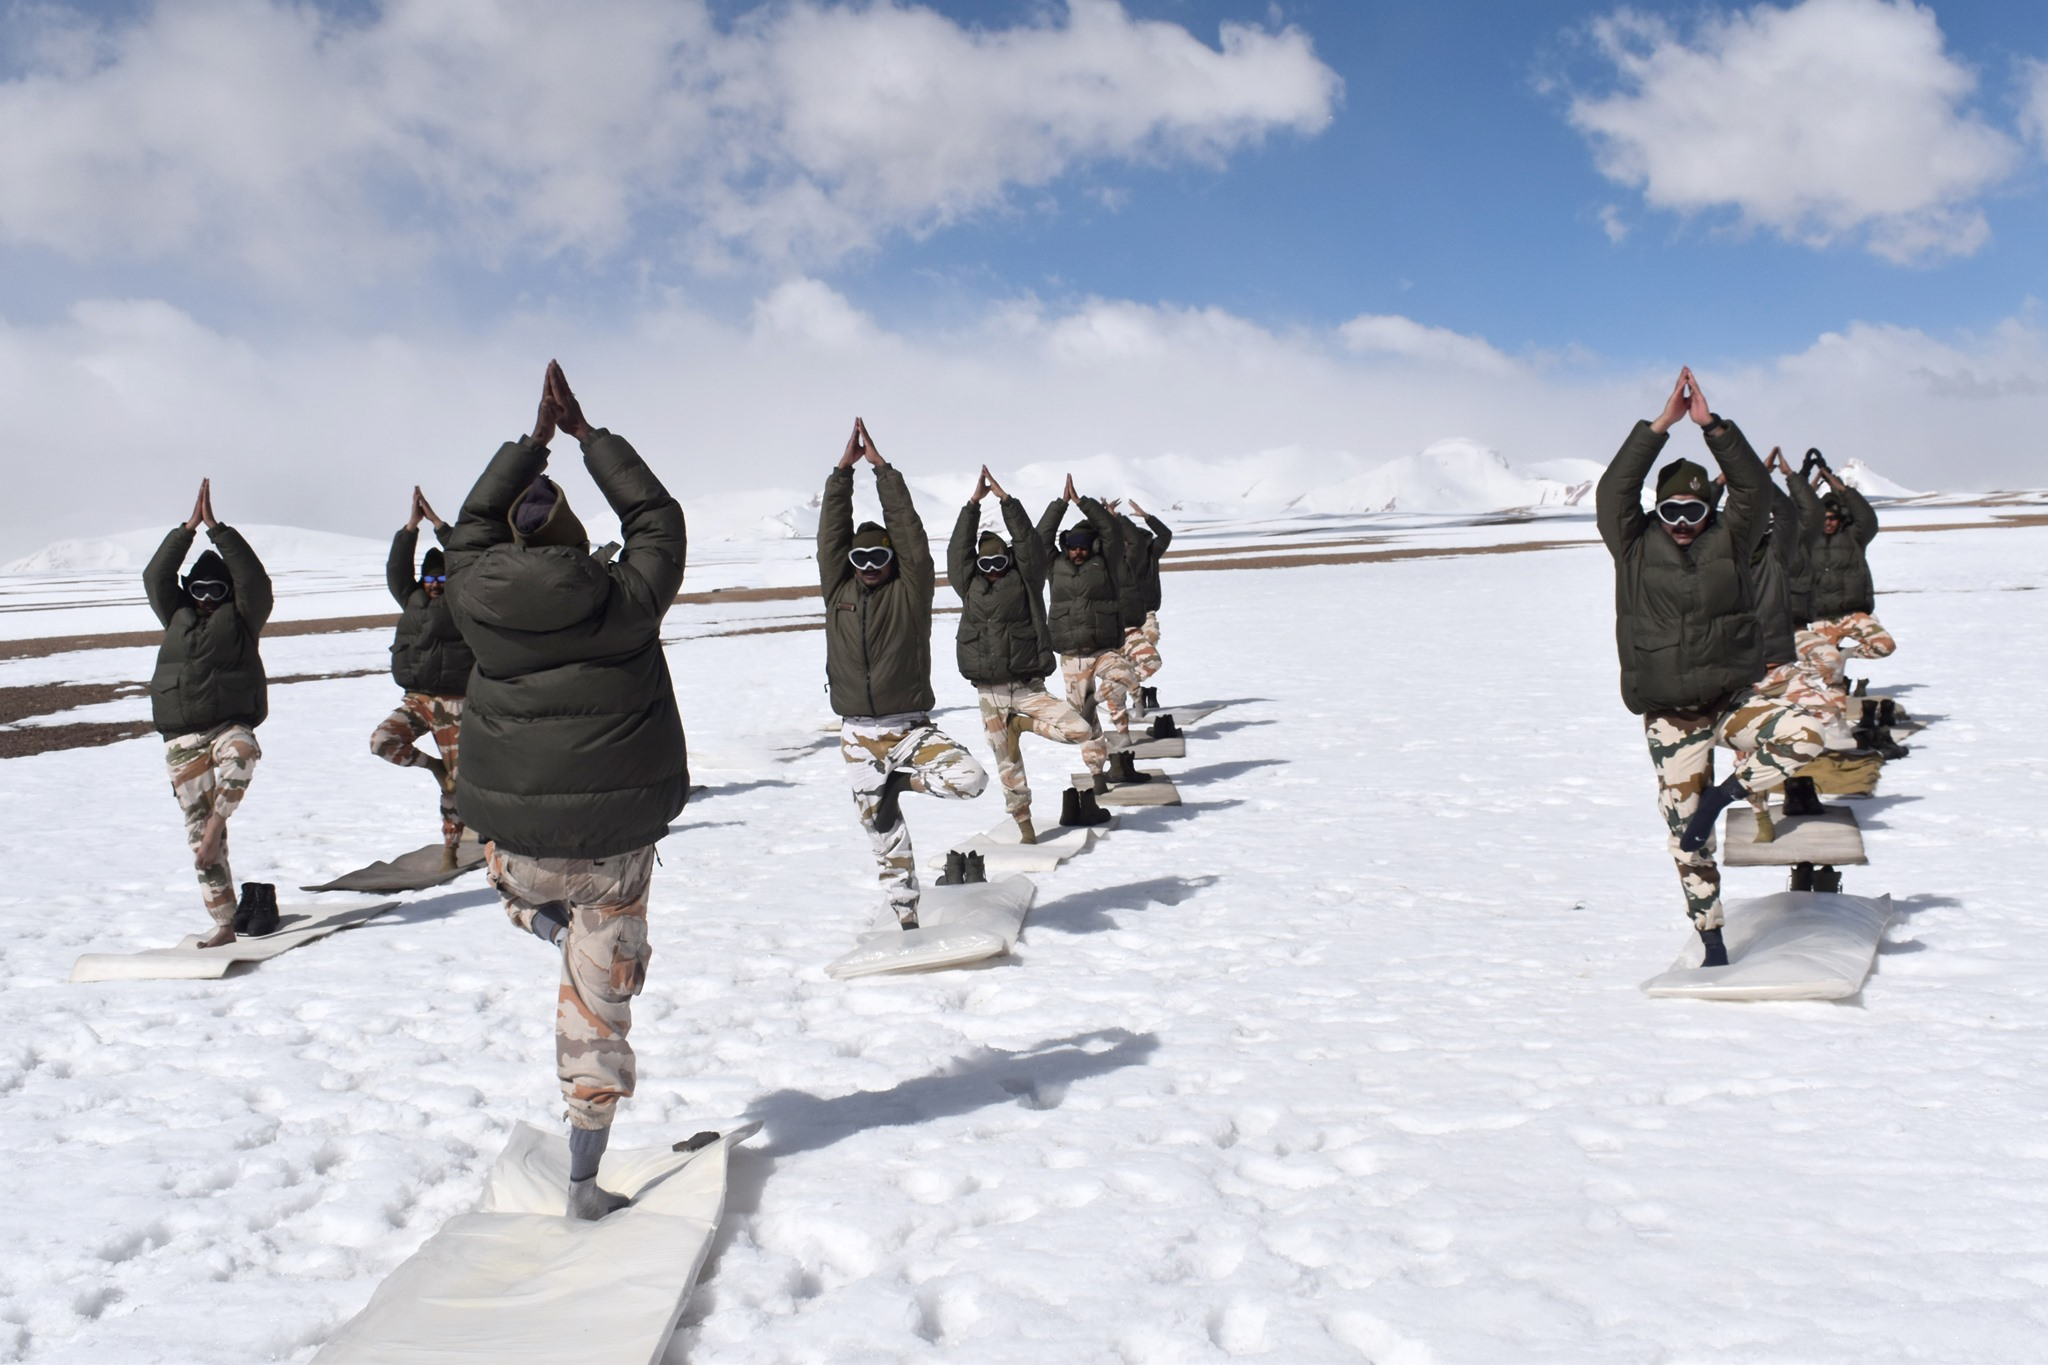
{"x": 208, "y": 590}
{"x": 432, "y": 578}
{"x": 1682, "y": 511}
{"x": 992, "y": 563}
{"x": 870, "y": 557}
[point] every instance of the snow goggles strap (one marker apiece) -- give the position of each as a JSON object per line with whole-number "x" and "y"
{"x": 870, "y": 557}
{"x": 992, "y": 563}
{"x": 1686, "y": 511}
{"x": 208, "y": 590}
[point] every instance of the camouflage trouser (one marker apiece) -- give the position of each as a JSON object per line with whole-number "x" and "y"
{"x": 604, "y": 964}
{"x": 209, "y": 773}
{"x": 1142, "y": 652}
{"x": 1151, "y": 626}
{"x": 1774, "y": 740}
{"x": 1824, "y": 647}
{"x": 874, "y": 747}
{"x": 1011, "y": 707}
{"x": 423, "y": 713}
{"x": 1107, "y": 675}
{"x": 1800, "y": 684}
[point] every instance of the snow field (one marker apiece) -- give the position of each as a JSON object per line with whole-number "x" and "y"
{"x": 1342, "y": 1060}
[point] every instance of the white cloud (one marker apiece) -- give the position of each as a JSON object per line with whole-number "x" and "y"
{"x": 1389, "y": 335}
{"x": 1826, "y": 120}
{"x": 294, "y": 141}
{"x": 119, "y": 408}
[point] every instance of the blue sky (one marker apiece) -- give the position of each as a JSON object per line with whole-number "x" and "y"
{"x": 1012, "y": 230}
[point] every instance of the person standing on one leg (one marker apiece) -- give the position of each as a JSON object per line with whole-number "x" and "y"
{"x": 1783, "y": 573}
{"x": 1086, "y": 617}
{"x": 431, "y": 662}
{"x": 573, "y": 761}
{"x": 1004, "y": 644}
{"x": 1839, "y": 530}
{"x": 1687, "y": 634}
{"x": 878, "y": 583}
{"x": 209, "y": 692}
{"x": 1147, "y": 547}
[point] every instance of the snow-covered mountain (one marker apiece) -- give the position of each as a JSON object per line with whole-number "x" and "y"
{"x": 1872, "y": 484}
{"x": 281, "y": 548}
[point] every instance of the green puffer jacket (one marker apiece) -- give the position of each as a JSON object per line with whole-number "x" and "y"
{"x": 1685, "y": 619}
{"x": 427, "y": 652}
{"x": 1841, "y": 571}
{"x": 1146, "y": 548}
{"x": 571, "y": 743}
{"x": 209, "y": 671}
{"x": 1087, "y": 612}
{"x": 1774, "y": 568}
{"x": 1003, "y": 635}
{"x": 878, "y": 641}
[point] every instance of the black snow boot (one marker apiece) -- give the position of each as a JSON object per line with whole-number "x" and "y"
{"x": 888, "y": 814}
{"x": 1070, "y": 808}
{"x": 587, "y": 1199}
{"x": 1713, "y": 801}
{"x": 1092, "y": 812}
{"x": 976, "y": 868}
{"x": 1123, "y": 770}
{"x": 956, "y": 868}
{"x": 1880, "y": 743}
{"x": 1164, "y": 728}
{"x": 1802, "y": 798}
{"x": 1716, "y": 950}
{"x": 262, "y": 910}
{"x": 246, "y": 907}
{"x": 1148, "y": 697}
{"x": 1887, "y": 713}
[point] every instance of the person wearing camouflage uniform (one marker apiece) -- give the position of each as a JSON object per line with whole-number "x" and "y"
{"x": 1782, "y": 570}
{"x": 1005, "y": 647}
{"x": 209, "y": 693}
{"x": 1086, "y": 620}
{"x": 573, "y": 757}
{"x": 878, "y": 583}
{"x": 1689, "y": 643}
{"x": 430, "y": 661}
{"x": 1838, "y": 531}
{"x": 1144, "y": 547}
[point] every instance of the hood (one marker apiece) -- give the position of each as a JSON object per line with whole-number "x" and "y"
{"x": 533, "y": 588}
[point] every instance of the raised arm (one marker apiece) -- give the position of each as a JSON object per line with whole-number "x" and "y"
{"x": 650, "y": 568}
{"x": 253, "y": 595}
{"x": 905, "y": 527}
{"x": 960, "y": 549}
{"x": 1748, "y": 511}
{"x": 1027, "y": 547}
{"x": 1162, "y": 536}
{"x": 1109, "y": 535}
{"x": 835, "y": 531}
{"x": 1618, "y": 498}
{"x": 160, "y": 578}
{"x": 1807, "y": 507}
{"x": 1049, "y": 527}
{"x": 1862, "y": 516}
{"x": 398, "y": 568}
{"x": 483, "y": 520}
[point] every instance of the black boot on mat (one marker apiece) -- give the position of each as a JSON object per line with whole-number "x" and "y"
{"x": 262, "y": 910}
{"x": 956, "y": 869}
{"x": 1802, "y": 797}
{"x": 1164, "y": 728}
{"x": 1148, "y": 697}
{"x": 1716, "y": 950}
{"x": 1070, "y": 808}
{"x": 1713, "y": 801}
{"x": 1123, "y": 770}
{"x": 888, "y": 813}
{"x": 246, "y": 907}
{"x": 1088, "y": 811}
{"x": 976, "y": 869}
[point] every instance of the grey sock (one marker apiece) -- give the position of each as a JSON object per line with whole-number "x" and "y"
{"x": 586, "y": 1147}
{"x": 550, "y": 922}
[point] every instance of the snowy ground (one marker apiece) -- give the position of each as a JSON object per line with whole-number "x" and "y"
{"x": 1342, "y": 1060}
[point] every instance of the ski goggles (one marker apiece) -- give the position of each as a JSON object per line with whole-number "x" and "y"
{"x": 1682, "y": 511}
{"x": 870, "y": 557}
{"x": 206, "y": 590}
{"x": 992, "y": 563}
{"x": 433, "y": 578}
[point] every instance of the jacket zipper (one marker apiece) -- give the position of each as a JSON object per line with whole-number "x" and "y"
{"x": 866, "y": 672}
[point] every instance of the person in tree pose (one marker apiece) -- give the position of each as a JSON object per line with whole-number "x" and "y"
{"x": 207, "y": 697}
{"x": 1145, "y": 546}
{"x": 1086, "y": 616}
{"x": 573, "y": 759}
{"x": 430, "y": 661}
{"x": 1690, "y": 648}
{"x": 878, "y": 583}
{"x": 1839, "y": 529}
{"x": 1005, "y": 646}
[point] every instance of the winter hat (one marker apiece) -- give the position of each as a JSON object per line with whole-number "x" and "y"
{"x": 434, "y": 563}
{"x": 871, "y": 536}
{"x": 1684, "y": 479}
{"x": 210, "y": 568}
{"x": 992, "y": 544}
{"x": 1832, "y": 506}
{"x": 541, "y": 516}
{"x": 1079, "y": 538}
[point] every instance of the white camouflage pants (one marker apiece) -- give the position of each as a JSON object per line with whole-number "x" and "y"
{"x": 874, "y": 747}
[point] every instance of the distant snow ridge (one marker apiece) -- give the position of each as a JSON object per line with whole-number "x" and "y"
{"x": 281, "y": 548}
{"x": 1872, "y": 484}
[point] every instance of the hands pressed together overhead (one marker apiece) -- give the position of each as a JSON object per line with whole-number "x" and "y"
{"x": 860, "y": 446}
{"x": 1686, "y": 400}
{"x": 202, "y": 508}
{"x": 421, "y": 511}
{"x": 558, "y": 408}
